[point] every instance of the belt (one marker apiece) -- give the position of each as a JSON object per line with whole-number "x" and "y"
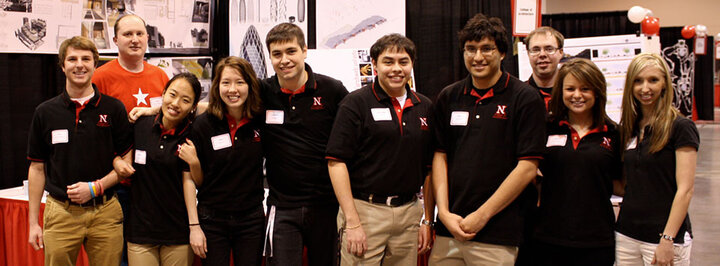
{"x": 391, "y": 201}
{"x": 94, "y": 202}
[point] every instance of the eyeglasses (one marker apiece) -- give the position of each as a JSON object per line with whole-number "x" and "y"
{"x": 548, "y": 50}
{"x": 485, "y": 50}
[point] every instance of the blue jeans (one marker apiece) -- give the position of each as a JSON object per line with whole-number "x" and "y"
{"x": 313, "y": 227}
{"x": 242, "y": 233}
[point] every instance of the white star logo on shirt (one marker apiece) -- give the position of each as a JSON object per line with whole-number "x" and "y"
{"x": 141, "y": 97}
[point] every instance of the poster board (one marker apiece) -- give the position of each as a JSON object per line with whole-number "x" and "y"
{"x": 200, "y": 66}
{"x": 40, "y": 26}
{"x": 611, "y": 54}
{"x": 251, "y": 20}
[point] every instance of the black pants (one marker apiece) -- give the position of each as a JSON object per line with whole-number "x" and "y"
{"x": 242, "y": 233}
{"x": 313, "y": 227}
{"x": 550, "y": 254}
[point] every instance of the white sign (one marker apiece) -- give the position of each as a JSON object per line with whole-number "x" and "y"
{"x": 526, "y": 16}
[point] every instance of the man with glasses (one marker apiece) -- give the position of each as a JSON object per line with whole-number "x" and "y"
{"x": 490, "y": 135}
{"x": 545, "y": 49}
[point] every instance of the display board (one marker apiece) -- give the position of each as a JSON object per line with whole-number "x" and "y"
{"x": 251, "y": 20}
{"x": 611, "y": 54}
{"x": 357, "y": 24}
{"x": 40, "y": 26}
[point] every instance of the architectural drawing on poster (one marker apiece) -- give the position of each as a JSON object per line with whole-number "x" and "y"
{"x": 251, "y": 20}
{"x": 353, "y": 24}
{"x": 200, "y": 66}
{"x": 32, "y": 32}
{"x": 682, "y": 68}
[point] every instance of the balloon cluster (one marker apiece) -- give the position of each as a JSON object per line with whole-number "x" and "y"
{"x": 650, "y": 24}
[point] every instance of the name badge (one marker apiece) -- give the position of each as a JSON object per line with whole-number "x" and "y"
{"x": 632, "y": 144}
{"x": 60, "y": 136}
{"x": 381, "y": 114}
{"x": 221, "y": 141}
{"x": 155, "y": 101}
{"x": 459, "y": 118}
{"x": 274, "y": 117}
{"x": 556, "y": 140}
{"x": 140, "y": 157}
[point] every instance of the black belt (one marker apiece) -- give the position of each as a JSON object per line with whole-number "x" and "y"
{"x": 392, "y": 201}
{"x": 94, "y": 202}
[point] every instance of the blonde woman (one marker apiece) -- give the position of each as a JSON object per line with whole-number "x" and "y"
{"x": 661, "y": 145}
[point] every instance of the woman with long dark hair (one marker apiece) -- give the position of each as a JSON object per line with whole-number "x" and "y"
{"x": 227, "y": 171}
{"x": 156, "y": 228}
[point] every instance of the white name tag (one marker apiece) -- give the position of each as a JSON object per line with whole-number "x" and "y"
{"x": 221, "y": 141}
{"x": 155, "y": 101}
{"x": 381, "y": 114}
{"x": 556, "y": 140}
{"x": 60, "y": 136}
{"x": 459, "y": 118}
{"x": 274, "y": 117}
{"x": 632, "y": 144}
{"x": 140, "y": 157}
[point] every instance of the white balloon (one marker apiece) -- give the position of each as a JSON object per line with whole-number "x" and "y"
{"x": 700, "y": 30}
{"x": 636, "y": 14}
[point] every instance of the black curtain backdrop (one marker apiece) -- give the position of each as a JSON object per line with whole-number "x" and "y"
{"x": 617, "y": 23}
{"x": 30, "y": 79}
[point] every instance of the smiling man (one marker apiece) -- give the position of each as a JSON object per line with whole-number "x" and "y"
{"x": 545, "y": 49}
{"x": 378, "y": 157}
{"x": 301, "y": 107}
{"x": 73, "y": 140}
{"x": 129, "y": 78}
{"x": 490, "y": 134}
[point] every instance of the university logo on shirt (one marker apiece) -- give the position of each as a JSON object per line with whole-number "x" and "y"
{"x": 501, "y": 112}
{"x": 102, "y": 121}
{"x": 424, "y": 123}
{"x": 606, "y": 143}
{"x": 256, "y": 135}
{"x": 317, "y": 104}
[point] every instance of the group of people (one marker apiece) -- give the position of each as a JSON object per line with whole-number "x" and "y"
{"x": 344, "y": 169}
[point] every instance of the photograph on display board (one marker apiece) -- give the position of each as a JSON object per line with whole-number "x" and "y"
{"x": 251, "y": 20}
{"x": 201, "y": 67}
{"x": 16, "y": 5}
{"x": 348, "y": 24}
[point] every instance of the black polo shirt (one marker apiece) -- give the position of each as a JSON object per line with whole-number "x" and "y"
{"x": 387, "y": 152}
{"x": 575, "y": 207}
{"x": 231, "y": 161}
{"x": 158, "y": 215}
{"x": 545, "y": 92}
{"x": 78, "y": 143}
{"x": 295, "y": 147}
{"x": 651, "y": 184}
{"x": 484, "y": 134}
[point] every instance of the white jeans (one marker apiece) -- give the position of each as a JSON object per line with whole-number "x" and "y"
{"x": 631, "y": 252}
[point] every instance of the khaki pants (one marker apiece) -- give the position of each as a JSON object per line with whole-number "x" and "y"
{"x": 631, "y": 252}
{"x": 449, "y": 252}
{"x": 149, "y": 254}
{"x": 68, "y": 227}
{"x": 392, "y": 234}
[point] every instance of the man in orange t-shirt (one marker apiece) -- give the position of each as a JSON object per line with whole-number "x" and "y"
{"x": 129, "y": 78}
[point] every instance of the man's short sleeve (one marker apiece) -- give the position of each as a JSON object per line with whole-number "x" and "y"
{"x": 530, "y": 126}
{"x": 344, "y": 136}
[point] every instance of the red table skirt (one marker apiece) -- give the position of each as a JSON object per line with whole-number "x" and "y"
{"x": 14, "y": 247}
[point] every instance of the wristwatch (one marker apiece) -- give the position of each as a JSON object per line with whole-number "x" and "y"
{"x": 666, "y": 237}
{"x": 428, "y": 223}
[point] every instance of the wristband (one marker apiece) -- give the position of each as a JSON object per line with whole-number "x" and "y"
{"x": 101, "y": 191}
{"x": 193, "y": 224}
{"x": 92, "y": 191}
{"x": 353, "y": 227}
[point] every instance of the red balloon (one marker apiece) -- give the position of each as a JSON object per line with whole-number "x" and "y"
{"x": 688, "y": 31}
{"x": 651, "y": 26}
